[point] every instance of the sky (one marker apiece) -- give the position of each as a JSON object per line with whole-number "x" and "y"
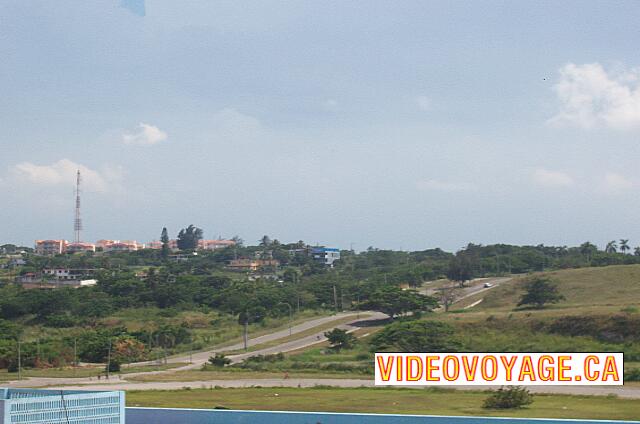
{"x": 398, "y": 125}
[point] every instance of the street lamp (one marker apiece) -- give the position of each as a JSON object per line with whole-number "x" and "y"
{"x": 290, "y": 316}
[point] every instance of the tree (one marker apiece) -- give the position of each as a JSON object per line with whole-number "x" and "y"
{"x": 265, "y": 241}
{"x": 416, "y": 336}
{"x": 164, "y": 238}
{"x": 188, "y": 238}
{"x": 611, "y": 247}
{"x": 447, "y": 296}
{"x": 636, "y": 251}
{"x": 460, "y": 269}
{"x": 588, "y": 250}
{"x": 392, "y": 300}
{"x": 540, "y": 291}
{"x": 624, "y": 245}
{"x": 339, "y": 339}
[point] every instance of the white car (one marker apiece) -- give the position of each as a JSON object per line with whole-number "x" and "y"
{"x": 487, "y": 285}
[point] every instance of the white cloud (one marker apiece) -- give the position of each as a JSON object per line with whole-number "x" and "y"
{"x": 439, "y": 185}
{"x": 591, "y": 97}
{"x": 63, "y": 173}
{"x": 145, "y": 135}
{"x": 424, "y": 103}
{"x": 547, "y": 178}
{"x": 613, "y": 183}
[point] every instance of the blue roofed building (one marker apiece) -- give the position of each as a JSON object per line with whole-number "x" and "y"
{"x": 326, "y": 255}
{"x": 31, "y": 406}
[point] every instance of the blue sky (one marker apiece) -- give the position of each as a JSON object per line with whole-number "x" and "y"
{"x": 389, "y": 124}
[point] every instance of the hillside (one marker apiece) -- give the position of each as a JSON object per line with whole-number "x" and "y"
{"x": 610, "y": 288}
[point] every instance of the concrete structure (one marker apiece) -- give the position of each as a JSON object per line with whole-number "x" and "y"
{"x": 65, "y": 274}
{"x": 326, "y": 255}
{"x": 215, "y": 244}
{"x": 119, "y": 246}
{"x": 50, "y": 247}
{"x": 80, "y": 247}
{"x": 202, "y": 416}
{"x": 30, "y": 406}
{"x": 202, "y": 244}
{"x": 252, "y": 265}
{"x": 153, "y": 245}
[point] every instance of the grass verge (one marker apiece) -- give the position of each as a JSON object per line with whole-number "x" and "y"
{"x": 385, "y": 400}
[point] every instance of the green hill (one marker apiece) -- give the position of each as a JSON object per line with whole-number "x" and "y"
{"x": 610, "y": 288}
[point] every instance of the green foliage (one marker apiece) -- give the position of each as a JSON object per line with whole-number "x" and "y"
{"x": 460, "y": 268}
{"x": 539, "y": 292}
{"x": 607, "y": 328}
{"x": 510, "y": 398}
{"x": 394, "y": 301}
{"x": 164, "y": 239}
{"x": 188, "y": 238}
{"x": 416, "y": 336}
{"x": 113, "y": 366}
{"x": 632, "y": 375}
{"x": 339, "y": 339}
{"x": 219, "y": 360}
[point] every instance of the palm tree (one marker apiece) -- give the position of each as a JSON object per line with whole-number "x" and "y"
{"x": 624, "y": 245}
{"x": 588, "y": 249}
{"x": 636, "y": 251}
{"x": 265, "y": 241}
{"x": 611, "y": 247}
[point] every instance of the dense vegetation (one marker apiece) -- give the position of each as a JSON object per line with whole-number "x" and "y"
{"x": 151, "y": 280}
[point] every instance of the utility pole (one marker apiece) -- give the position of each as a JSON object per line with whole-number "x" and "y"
{"x": 290, "y": 317}
{"x": 335, "y": 299}
{"x": 19, "y": 361}
{"x": 75, "y": 355}
{"x": 246, "y": 334}
{"x": 109, "y": 360}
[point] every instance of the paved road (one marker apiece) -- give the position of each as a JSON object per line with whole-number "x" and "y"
{"x": 632, "y": 392}
{"x": 201, "y": 358}
{"x": 472, "y": 288}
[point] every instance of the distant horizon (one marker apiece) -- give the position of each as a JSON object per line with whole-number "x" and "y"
{"x": 600, "y": 246}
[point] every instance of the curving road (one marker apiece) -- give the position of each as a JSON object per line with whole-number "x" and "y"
{"x": 201, "y": 358}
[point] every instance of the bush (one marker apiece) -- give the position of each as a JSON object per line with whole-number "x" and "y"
{"x": 509, "y": 398}
{"x": 219, "y": 360}
{"x": 113, "y": 366}
{"x": 632, "y": 375}
{"x": 266, "y": 358}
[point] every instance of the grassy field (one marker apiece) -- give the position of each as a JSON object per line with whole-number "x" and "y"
{"x": 384, "y": 400}
{"x": 613, "y": 287}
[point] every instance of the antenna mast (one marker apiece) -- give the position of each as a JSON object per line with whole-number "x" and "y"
{"x": 77, "y": 224}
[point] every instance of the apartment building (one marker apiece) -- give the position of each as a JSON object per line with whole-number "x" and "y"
{"x": 50, "y": 247}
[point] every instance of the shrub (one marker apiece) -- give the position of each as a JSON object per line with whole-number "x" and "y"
{"x": 632, "y": 375}
{"x": 266, "y": 358}
{"x": 509, "y": 398}
{"x": 219, "y": 360}
{"x": 113, "y": 366}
